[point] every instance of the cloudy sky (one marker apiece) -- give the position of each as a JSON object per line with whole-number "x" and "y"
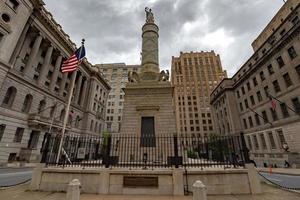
{"x": 112, "y": 28}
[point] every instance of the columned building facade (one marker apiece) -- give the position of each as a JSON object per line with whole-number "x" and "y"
{"x": 33, "y": 91}
{"x": 194, "y": 75}
{"x": 116, "y": 75}
{"x": 262, "y": 99}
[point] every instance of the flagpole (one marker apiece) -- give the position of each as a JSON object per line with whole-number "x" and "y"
{"x": 261, "y": 116}
{"x": 283, "y": 103}
{"x": 73, "y": 78}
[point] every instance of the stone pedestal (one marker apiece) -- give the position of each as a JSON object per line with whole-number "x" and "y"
{"x": 149, "y": 99}
{"x": 73, "y": 191}
{"x": 199, "y": 191}
{"x": 254, "y": 180}
{"x": 36, "y": 177}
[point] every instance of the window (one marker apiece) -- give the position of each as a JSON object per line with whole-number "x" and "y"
{"x": 249, "y": 142}
{"x": 257, "y": 119}
{"x": 18, "y": 135}
{"x": 248, "y": 86}
{"x": 292, "y": 53}
{"x": 91, "y": 125}
{"x": 255, "y": 142}
{"x": 272, "y": 141}
{"x": 238, "y": 92}
{"x": 243, "y": 90}
{"x": 280, "y": 61}
{"x": 274, "y": 114}
{"x": 252, "y": 100}
{"x": 297, "y": 68}
{"x": 62, "y": 114}
{"x": 33, "y": 139}
{"x": 246, "y": 103}
{"x": 265, "y": 116}
{"x": 250, "y": 121}
{"x": 1, "y": 36}
{"x": 13, "y": 4}
{"x": 296, "y": 104}
{"x": 263, "y": 141}
{"x": 2, "y": 129}
{"x": 284, "y": 110}
{"x": 27, "y": 103}
{"x": 262, "y": 76}
{"x": 276, "y": 86}
{"x": 5, "y": 17}
{"x": 241, "y": 107}
{"x": 245, "y": 123}
{"x": 42, "y": 106}
{"x": 9, "y": 96}
{"x": 259, "y": 97}
{"x": 270, "y": 69}
{"x": 254, "y": 81}
{"x": 287, "y": 80}
{"x": 77, "y": 121}
{"x": 281, "y": 137}
{"x": 266, "y": 89}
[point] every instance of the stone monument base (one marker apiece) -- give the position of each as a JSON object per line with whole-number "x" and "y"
{"x": 149, "y": 99}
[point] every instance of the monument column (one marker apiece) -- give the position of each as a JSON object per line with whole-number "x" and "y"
{"x": 150, "y": 36}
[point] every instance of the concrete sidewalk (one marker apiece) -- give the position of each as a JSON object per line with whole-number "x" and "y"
{"x": 22, "y": 193}
{"x": 288, "y": 171}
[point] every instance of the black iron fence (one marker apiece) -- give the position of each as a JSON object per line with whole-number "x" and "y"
{"x": 164, "y": 151}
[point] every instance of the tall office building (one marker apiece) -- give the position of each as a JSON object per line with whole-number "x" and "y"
{"x": 117, "y": 76}
{"x": 194, "y": 75}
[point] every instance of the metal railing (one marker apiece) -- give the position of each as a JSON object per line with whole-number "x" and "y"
{"x": 163, "y": 151}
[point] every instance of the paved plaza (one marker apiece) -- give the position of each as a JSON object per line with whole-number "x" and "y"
{"x": 21, "y": 192}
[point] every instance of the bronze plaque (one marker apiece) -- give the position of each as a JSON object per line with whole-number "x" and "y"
{"x": 140, "y": 181}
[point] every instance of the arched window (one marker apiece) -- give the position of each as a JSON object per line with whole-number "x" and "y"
{"x": 52, "y": 110}
{"x": 92, "y": 123}
{"x": 62, "y": 115}
{"x": 77, "y": 121}
{"x": 9, "y": 96}
{"x": 96, "y": 126}
{"x": 27, "y": 103}
{"x": 42, "y": 106}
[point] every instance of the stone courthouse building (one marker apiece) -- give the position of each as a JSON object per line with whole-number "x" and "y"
{"x": 243, "y": 103}
{"x": 33, "y": 90}
{"x": 194, "y": 76}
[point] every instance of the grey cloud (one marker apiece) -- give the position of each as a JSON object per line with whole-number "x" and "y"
{"x": 112, "y": 29}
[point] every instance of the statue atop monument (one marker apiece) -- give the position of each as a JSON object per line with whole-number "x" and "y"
{"x": 149, "y": 15}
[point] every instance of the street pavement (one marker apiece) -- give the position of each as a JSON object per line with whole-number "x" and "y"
{"x": 21, "y": 192}
{"x": 13, "y": 176}
{"x": 284, "y": 180}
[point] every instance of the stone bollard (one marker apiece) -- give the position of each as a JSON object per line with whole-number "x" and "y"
{"x": 73, "y": 191}
{"x": 199, "y": 191}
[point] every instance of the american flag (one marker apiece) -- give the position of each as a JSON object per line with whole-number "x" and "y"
{"x": 71, "y": 64}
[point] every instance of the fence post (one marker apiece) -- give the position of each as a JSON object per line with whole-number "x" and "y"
{"x": 107, "y": 152}
{"x": 176, "y": 151}
{"x": 45, "y": 148}
{"x": 244, "y": 148}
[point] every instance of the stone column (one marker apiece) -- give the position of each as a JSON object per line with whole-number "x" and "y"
{"x": 82, "y": 100}
{"x": 78, "y": 86}
{"x": 45, "y": 66}
{"x": 33, "y": 53}
{"x": 20, "y": 44}
{"x": 62, "y": 84}
{"x": 55, "y": 73}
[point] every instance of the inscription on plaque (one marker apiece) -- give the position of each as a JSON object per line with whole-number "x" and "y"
{"x": 140, "y": 181}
